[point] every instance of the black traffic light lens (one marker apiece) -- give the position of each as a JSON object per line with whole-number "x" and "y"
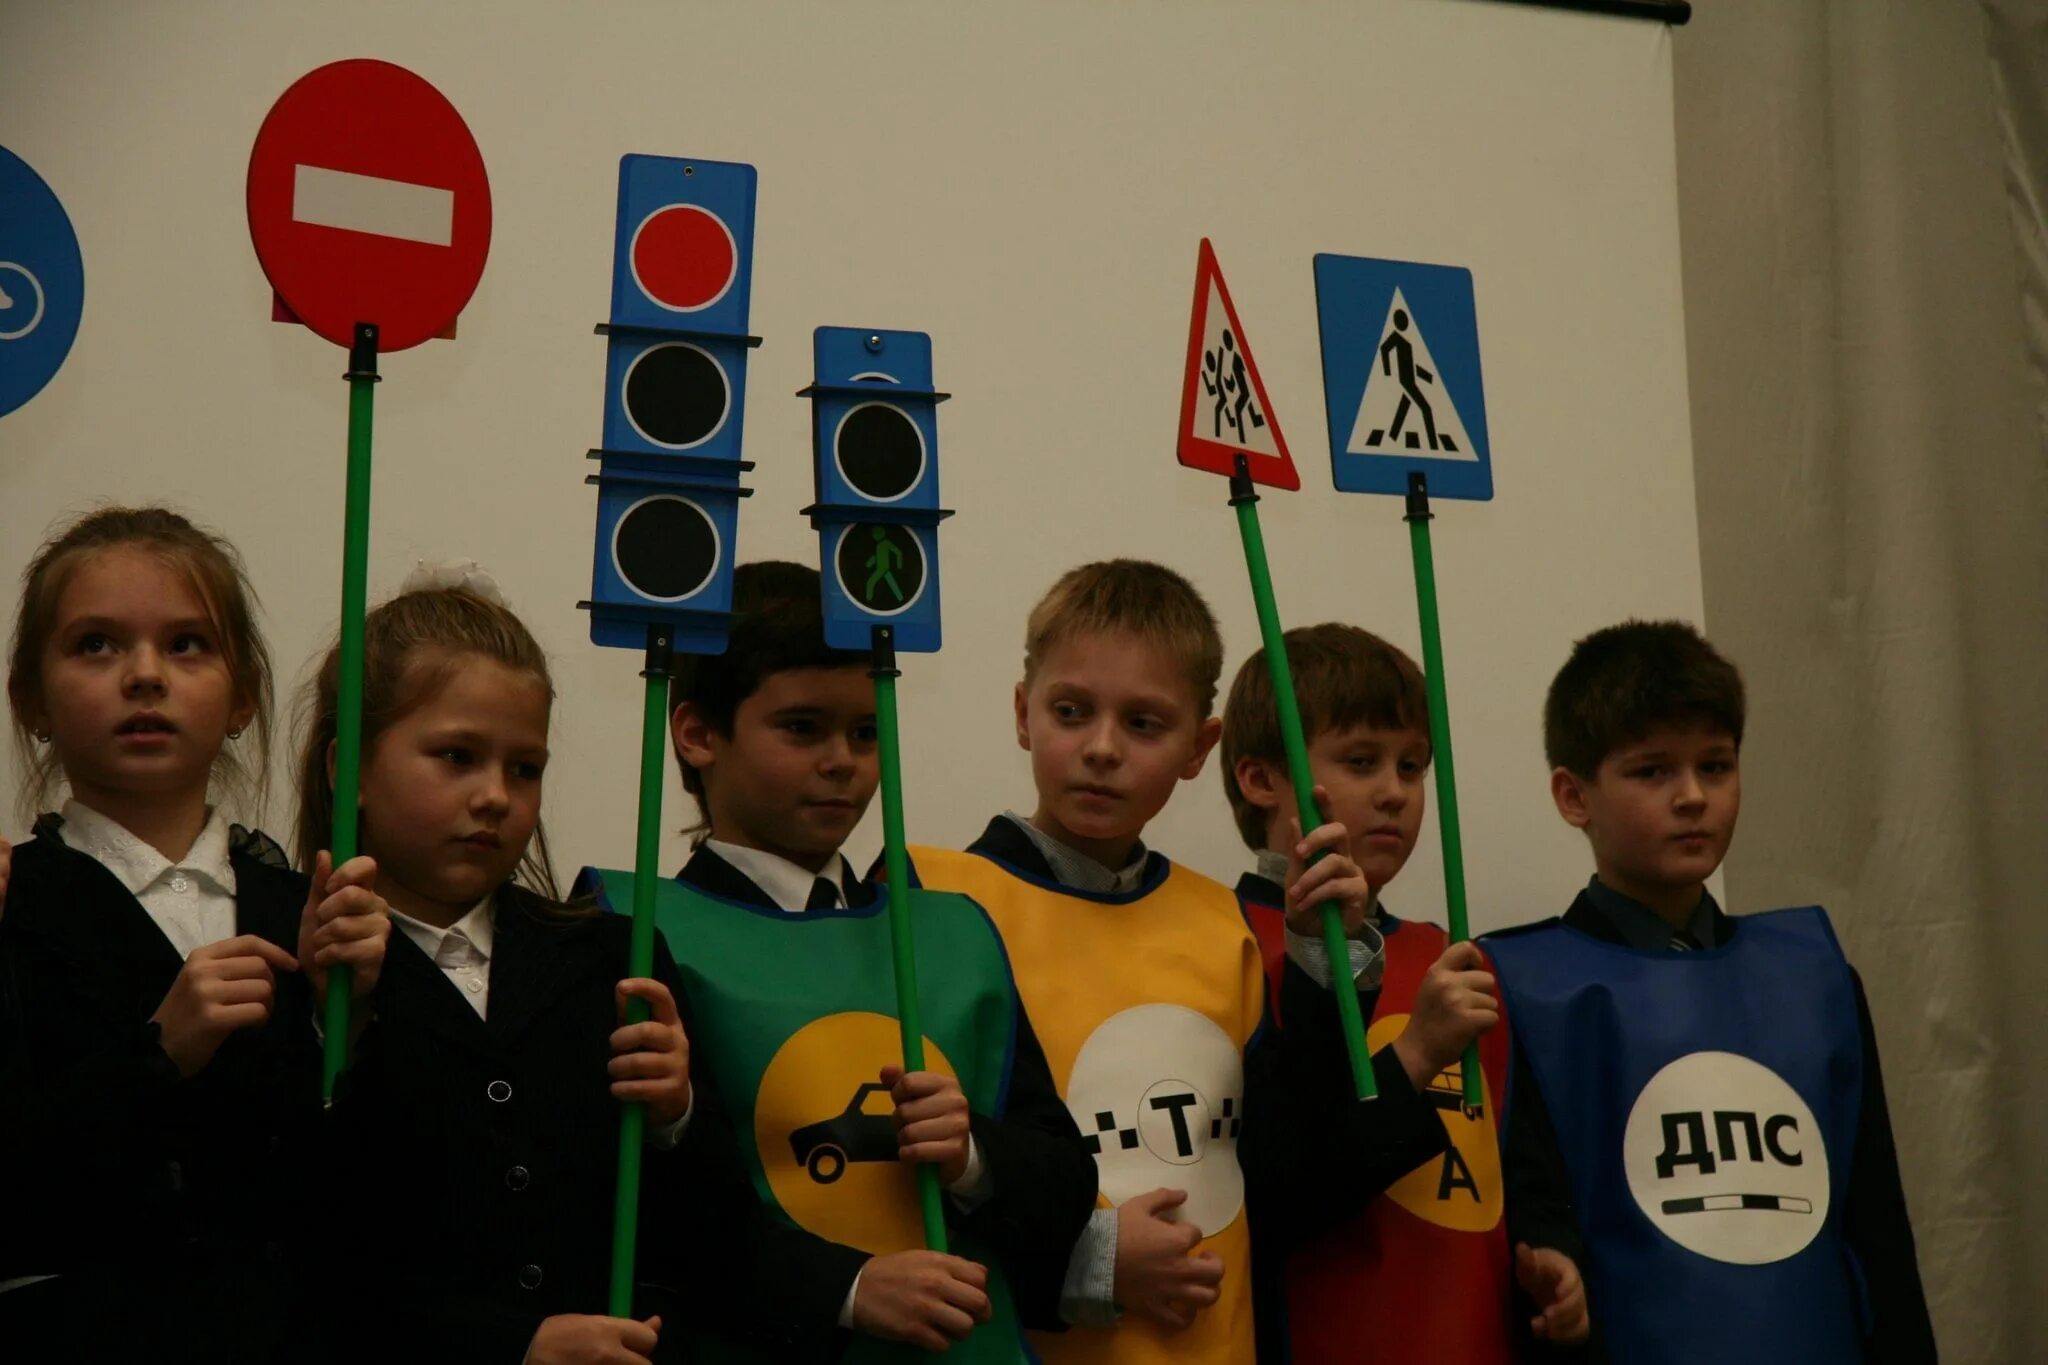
{"x": 880, "y": 451}
{"x": 676, "y": 395}
{"x": 665, "y": 547}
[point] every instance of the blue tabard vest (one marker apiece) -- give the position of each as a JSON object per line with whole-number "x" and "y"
{"x": 1706, "y": 1107}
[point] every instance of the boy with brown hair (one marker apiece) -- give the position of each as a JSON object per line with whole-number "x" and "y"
{"x": 785, "y": 957}
{"x": 1697, "y": 1116}
{"x": 1143, "y": 980}
{"x": 1423, "y": 1273}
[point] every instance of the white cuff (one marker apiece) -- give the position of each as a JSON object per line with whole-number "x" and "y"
{"x": 1088, "y": 1295}
{"x": 974, "y": 1187}
{"x": 846, "y": 1309}
{"x": 667, "y": 1138}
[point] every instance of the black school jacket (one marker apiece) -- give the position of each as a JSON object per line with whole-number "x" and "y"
{"x": 169, "y": 1207}
{"x": 1043, "y": 1178}
{"x": 484, "y": 1153}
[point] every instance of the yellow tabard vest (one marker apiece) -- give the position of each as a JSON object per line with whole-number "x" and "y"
{"x": 1144, "y": 1004}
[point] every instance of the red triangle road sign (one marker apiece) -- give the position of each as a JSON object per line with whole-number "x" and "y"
{"x": 1224, "y": 412}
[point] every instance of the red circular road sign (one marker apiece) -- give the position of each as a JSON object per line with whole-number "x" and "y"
{"x": 684, "y": 257}
{"x": 368, "y": 202}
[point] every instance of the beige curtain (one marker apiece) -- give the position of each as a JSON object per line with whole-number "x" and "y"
{"x": 1860, "y": 189}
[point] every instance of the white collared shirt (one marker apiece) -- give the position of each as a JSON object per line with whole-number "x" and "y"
{"x": 191, "y": 900}
{"x": 462, "y": 951}
{"x": 781, "y": 880}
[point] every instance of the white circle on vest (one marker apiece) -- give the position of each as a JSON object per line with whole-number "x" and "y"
{"x": 1158, "y": 1091}
{"x": 1727, "y": 1160}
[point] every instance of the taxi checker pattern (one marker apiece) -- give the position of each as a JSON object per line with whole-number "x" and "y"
{"x": 1179, "y": 1129}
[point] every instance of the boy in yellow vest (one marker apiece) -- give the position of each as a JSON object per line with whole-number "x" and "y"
{"x": 1144, "y": 982}
{"x": 784, "y": 954}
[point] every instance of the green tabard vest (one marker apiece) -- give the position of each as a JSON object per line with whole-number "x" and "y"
{"x": 795, "y": 1016}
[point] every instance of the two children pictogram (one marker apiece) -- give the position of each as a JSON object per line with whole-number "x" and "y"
{"x": 1224, "y": 379}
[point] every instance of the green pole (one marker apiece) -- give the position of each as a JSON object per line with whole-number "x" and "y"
{"x": 896, "y": 865}
{"x": 1418, "y": 517}
{"x": 1246, "y": 501}
{"x": 348, "y": 719}
{"x": 640, "y": 957}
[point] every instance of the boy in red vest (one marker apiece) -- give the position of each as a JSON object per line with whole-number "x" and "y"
{"x": 1424, "y": 1272}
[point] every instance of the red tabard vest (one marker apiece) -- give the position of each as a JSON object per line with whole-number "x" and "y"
{"x": 1424, "y": 1274}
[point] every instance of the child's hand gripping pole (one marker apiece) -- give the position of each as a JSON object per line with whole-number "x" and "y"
{"x": 1418, "y": 518}
{"x": 1246, "y": 500}
{"x": 896, "y": 866}
{"x": 640, "y": 956}
{"x": 348, "y": 702}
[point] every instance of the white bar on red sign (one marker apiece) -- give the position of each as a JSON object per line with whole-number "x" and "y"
{"x": 368, "y": 203}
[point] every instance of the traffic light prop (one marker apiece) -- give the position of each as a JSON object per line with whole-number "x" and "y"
{"x": 875, "y": 438}
{"x": 668, "y": 491}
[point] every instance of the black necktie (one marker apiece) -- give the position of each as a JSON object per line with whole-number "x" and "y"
{"x": 824, "y": 895}
{"x": 1684, "y": 942}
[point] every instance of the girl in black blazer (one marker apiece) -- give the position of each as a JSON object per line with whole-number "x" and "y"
{"x": 480, "y": 1120}
{"x": 159, "y": 969}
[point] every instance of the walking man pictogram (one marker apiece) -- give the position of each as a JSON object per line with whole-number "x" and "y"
{"x": 881, "y": 566}
{"x": 1398, "y": 352}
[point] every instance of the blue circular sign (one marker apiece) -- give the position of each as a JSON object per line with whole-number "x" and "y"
{"x": 42, "y": 283}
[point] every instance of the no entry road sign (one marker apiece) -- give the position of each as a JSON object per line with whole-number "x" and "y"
{"x": 368, "y": 202}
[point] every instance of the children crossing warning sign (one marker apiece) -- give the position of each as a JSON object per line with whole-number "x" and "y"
{"x": 1224, "y": 411}
{"x": 1401, "y": 377}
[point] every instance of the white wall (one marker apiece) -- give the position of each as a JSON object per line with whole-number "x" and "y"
{"x": 1028, "y": 184}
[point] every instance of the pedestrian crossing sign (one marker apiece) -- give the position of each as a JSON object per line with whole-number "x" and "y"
{"x": 1401, "y": 377}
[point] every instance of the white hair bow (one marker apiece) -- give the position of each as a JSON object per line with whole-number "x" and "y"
{"x": 464, "y": 574}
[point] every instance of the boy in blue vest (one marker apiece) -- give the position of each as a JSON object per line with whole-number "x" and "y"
{"x": 1696, "y": 1114}
{"x": 789, "y": 1005}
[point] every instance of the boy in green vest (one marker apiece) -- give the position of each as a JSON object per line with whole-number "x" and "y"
{"x": 790, "y": 1010}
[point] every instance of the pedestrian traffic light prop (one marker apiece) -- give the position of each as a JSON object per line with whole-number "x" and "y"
{"x": 1228, "y": 426}
{"x": 675, "y": 385}
{"x": 1407, "y": 408}
{"x": 875, "y": 437}
{"x": 668, "y": 491}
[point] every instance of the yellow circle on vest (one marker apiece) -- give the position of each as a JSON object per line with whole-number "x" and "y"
{"x": 1460, "y": 1189}
{"x": 826, "y": 1131}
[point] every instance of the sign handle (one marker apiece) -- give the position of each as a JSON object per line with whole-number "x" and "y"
{"x": 1418, "y": 517}
{"x": 640, "y": 956}
{"x": 896, "y": 867}
{"x": 1246, "y": 501}
{"x": 362, "y": 380}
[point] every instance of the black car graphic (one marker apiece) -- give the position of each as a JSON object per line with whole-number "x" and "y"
{"x": 824, "y": 1148}
{"x": 1446, "y": 1089}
